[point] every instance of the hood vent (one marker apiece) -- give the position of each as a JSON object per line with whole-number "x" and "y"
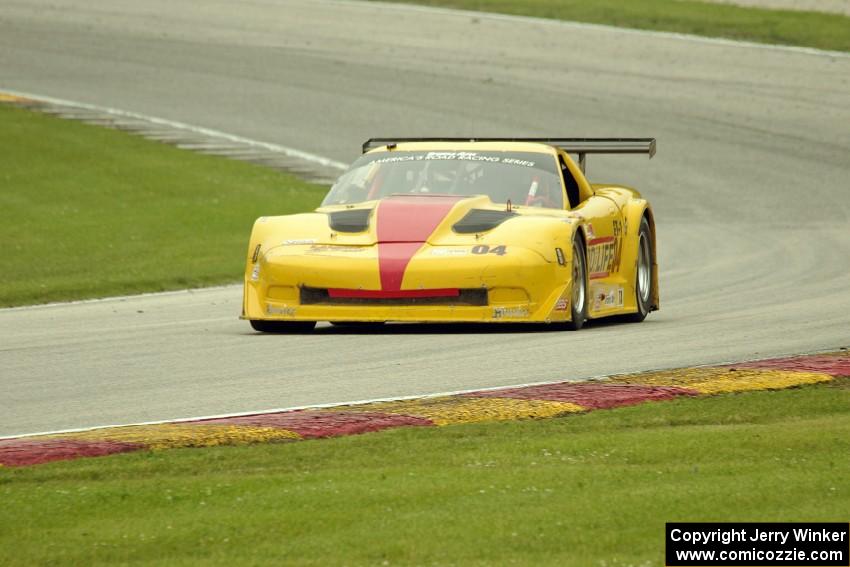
{"x": 353, "y": 220}
{"x": 481, "y": 220}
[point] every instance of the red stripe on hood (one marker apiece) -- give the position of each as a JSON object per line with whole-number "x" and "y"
{"x": 404, "y": 223}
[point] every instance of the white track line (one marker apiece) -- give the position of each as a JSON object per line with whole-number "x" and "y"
{"x": 291, "y": 152}
{"x": 587, "y": 26}
{"x": 397, "y": 399}
{"x": 112, "y": 298}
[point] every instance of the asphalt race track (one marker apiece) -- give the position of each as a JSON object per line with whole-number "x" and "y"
{"x": 751, "y": 188}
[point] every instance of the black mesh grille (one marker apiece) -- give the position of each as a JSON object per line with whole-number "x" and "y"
{"x": 354, "y": 220}
{"x": 320, "y": 296}
{"x": 481, "y": 220}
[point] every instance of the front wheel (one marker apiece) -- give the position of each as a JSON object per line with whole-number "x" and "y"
{"x": 578, "y": 303}
{"x": 282, "y": 326}
{"x": 643, "y": 274}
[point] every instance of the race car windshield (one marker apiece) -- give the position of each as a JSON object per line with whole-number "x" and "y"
{"x": 525, "y": 178}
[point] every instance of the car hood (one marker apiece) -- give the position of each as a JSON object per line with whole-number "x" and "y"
{"x": 444, "y": 220}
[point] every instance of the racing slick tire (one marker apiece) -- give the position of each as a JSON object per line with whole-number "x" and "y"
{"x": 282, "y": 326}
{"x": 578, "y": 293}
{"x": 643, "y": 274}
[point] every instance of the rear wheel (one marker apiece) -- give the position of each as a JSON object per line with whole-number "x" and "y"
{"x": 282, "y": 326}
{"x": 643, "y": 274}
{"x": 578, "y": 303}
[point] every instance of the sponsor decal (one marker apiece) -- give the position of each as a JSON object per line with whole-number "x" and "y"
{"x": 396, "y": 159}
{"x": 600, "y": 257}
{"x": 607, "y": 297}
{"x": 287, "y": 311}
{"x": 603, "y": 254}
{"x": 458, "y": 156}
{"x": 499, "y": 250}
{"x": 562, "y": 305}
{"x": 588, "y": 229}
{"x": 449, "y": 251}
{"x": 522, "y": 162}
{"x": 255, "y": 273}
{"x": 472, "y": 156}
{"x": 509, "y": 312}
{"x": 320, "y": 249}
{"x": 298, "y": 242}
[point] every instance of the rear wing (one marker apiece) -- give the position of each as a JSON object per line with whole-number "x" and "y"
{"x": 580, "y": 146}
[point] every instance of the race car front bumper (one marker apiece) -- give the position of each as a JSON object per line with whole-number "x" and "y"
{"x": 521, "y": 286}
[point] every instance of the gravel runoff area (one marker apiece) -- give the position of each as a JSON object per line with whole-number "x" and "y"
{"x": 827, "y": 6}
{"x": 526, "y": 402}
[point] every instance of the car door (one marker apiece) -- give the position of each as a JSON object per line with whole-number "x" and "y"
{"x": 603, "y": 230}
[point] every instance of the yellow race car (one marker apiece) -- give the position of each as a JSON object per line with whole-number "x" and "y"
{"x": 460, "y": 230}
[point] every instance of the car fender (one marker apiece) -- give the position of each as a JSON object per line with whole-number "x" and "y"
{"x": 633, "y": 213}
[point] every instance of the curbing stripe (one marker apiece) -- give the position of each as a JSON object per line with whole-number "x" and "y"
{"x": 310, "y": 167}
{"x": 173, "y": 435}
{"x": 171, "y": 125}
{"x": 451, "y": 410}
{"x": 834, "y": 365}
{"x": 594, "y": 395}
{"x": 724, "y": 380}
{"x": 527, "y": 402}
{"x": 311, "y": 424}
{"x": 39, "y": 451}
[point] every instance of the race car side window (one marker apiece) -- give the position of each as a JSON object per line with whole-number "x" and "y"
{"x": 570, "y": 183}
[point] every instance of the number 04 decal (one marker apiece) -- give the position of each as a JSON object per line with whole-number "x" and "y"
{"x": 499, "y": 250}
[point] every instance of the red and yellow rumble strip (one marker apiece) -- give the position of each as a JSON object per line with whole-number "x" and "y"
{"x": 526, "y": 402}
{"x": 14, "y": 99}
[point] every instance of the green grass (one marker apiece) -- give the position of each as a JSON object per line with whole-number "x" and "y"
{"x": 89, "y": 212}
{"x": 809, "y": 29}
{"x": 584, "y": 490}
